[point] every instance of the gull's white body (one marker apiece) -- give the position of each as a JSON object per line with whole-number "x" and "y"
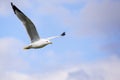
{"x": 38, "y": 44}
{"x": 36, "y": 41}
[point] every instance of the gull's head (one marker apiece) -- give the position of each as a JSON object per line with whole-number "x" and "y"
{"x": 48, "y": 42}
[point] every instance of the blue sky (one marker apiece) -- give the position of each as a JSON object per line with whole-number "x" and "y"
{"x": 89, "y": 51}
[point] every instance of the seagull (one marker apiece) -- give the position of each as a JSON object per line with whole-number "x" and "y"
{"x": 36, "y": 41}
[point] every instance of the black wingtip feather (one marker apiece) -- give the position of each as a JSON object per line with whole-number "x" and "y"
{"x": 15, "y": 8}
{"x": 63, "y": 34}
{"x": 11, "y": 4}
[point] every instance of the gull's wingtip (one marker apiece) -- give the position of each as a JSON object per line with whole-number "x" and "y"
{"x": 11, "y": 3}
{"x": 13, "y": 6}
{"x": 63, "y": 34}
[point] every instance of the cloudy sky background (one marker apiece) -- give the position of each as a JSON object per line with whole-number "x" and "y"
{"x": 89, "y": 51}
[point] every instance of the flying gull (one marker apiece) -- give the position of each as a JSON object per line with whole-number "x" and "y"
{"x": 36, "y": 41}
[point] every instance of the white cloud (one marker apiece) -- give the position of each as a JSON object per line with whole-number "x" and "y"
{"x": 14, "y": 76}
{"x": 100, "y": 70}
{"x": 102, "y": 17}
{"x": 59, "y": 1}
{"x": 5, "y": 7}
{"x": 94, "y": 18}
{"x": 103, "y": 70}
{"x": 10, "y": 55}
{"x": 112, "y": 48}
{"x": 10, "y": 66}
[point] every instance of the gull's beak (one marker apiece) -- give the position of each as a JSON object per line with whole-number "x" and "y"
{"x": 50, "y": 42}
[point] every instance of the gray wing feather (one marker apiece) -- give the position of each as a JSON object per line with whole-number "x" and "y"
{"x": 30, "y": 27}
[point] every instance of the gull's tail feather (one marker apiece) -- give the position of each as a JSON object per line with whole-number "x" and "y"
{"x": 27, "y": 47}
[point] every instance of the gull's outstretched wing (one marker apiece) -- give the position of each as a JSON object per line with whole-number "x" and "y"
{"x": 30, "y": 27}
{"x": 63, "y": 34}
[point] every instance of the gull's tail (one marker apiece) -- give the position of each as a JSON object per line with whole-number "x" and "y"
{"x": 27, "y": 47}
